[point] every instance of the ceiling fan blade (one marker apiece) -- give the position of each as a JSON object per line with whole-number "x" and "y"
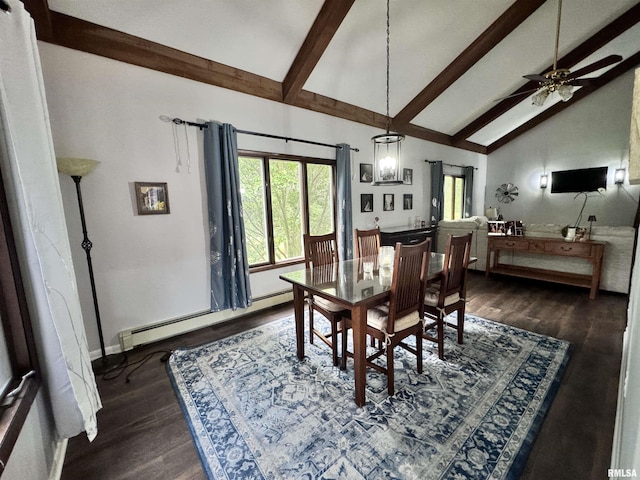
{"x": 603, "y": 62}
{"x": 581, "y": 82}
{"x": 517, "y": 94}
{"x": 534, "y": 77}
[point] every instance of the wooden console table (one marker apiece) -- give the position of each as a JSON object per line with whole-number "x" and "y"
{"x": 590, "y": 251}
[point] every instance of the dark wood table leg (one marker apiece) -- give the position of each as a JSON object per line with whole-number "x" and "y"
{"x": 358, "y": 323}
{"x": 298, "y": 308}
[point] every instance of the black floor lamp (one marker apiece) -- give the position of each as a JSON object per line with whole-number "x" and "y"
{"x": 78, "y": 168}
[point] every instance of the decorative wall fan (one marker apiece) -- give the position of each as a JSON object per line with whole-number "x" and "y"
{"x": 506, "y": 193}
{"x": 562, "y": 80}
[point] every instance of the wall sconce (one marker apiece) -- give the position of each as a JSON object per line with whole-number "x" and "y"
{"x": 544, "y": 180}
{"x": 618, "y": 177}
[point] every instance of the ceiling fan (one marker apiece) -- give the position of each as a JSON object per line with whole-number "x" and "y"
{"x": 562, "y": 80}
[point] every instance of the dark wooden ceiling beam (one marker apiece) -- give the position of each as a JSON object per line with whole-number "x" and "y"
{"x": 624, "y": 66}
{"x": 497, "y": 31}
{"x": 625, "y": 21}
{"x": 91, "y": 38}
{"x": 346, "y": 111}
{"x": 322, "y": 31}
{"x": 88, "y": 37}
{"x": 39, "y": 11}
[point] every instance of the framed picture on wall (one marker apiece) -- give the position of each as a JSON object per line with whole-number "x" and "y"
{"x": 366, "y": 202}
{"x": 407, "y": 201}
{"x": 366, "y": 173}
{"x": 388, "y": 200}
{"x": 407, "y": 176}
{"x": 152, "y": 198}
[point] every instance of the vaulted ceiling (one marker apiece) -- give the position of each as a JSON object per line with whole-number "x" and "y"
{"x": 450, "y": 61}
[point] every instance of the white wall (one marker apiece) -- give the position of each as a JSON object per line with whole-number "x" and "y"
{"x": 152, "y": 268}
{"x": 592, "y": 133}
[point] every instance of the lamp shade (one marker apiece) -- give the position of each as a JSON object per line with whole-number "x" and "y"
{"x": 592, "y": 218}
{"x": 76, "y": 167}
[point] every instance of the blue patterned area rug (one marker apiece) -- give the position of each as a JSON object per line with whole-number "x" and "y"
{"x": 256, "y": 411}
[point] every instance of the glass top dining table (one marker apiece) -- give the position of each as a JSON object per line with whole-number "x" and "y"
{"x": 346, "y": 284}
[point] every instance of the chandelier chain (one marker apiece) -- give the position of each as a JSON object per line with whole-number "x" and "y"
{"x": 388, "y": 119}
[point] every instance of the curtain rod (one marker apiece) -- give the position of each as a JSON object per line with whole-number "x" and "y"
{"x": 449, "y": 164}
{"x": 201, "y": 126}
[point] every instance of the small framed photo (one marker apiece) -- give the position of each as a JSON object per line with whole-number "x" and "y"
{"x": 366, "y": 202}
{"x": 496, "y": 228}
{"x": 407, "y": 176}
{"x": 388, "y": 201}
{"x": 407, "y": 201}
{"x": 366, "y": 172}
{"x": 515, "y": 228}
{"x": 152, "y": 198}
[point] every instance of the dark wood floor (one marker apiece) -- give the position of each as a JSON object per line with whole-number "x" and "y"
{"x": 143, "y": 435}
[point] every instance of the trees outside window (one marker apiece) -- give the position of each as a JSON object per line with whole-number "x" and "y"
{"x": 284, "y": 197}
{"x": 453, "y": 197}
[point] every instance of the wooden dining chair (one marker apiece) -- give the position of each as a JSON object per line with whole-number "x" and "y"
{"x": 321, "y": 253}
{"x": 402, "y": 316}
{"x": 449, "y": 295}
{"x": 367, "y": 242}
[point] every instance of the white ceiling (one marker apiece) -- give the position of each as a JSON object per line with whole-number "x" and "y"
{"x": 263, "y": 37}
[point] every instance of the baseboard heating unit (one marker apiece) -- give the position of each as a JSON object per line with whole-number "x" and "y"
{"x": 177, "y": 326}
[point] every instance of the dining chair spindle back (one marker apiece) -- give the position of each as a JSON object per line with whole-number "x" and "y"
{"x": 449, "y": 295}
{"x": 321, "y": 253}
{"x": 402, "y": 316}
{"x": 367, "y": 242}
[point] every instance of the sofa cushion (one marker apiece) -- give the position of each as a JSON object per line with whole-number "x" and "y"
{"x": 543, "y": 230}
{"x": 470, "y": 223}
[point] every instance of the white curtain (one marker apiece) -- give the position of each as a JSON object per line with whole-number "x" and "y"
{"x": 28, "y": 166}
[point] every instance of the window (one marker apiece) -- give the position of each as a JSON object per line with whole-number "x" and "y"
{"x": 453, "y": 197}
{"x": 284, "y": 197}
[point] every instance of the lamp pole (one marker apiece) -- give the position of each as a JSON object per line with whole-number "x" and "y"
{"x": 105, "y": 363}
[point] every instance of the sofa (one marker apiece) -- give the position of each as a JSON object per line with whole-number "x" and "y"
{"x": 616, "y": 265}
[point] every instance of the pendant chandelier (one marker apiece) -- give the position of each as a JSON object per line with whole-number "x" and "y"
{"x": 386, "y": 147}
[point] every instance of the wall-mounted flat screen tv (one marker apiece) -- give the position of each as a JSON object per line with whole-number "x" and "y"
{"x": 581, "y": 180}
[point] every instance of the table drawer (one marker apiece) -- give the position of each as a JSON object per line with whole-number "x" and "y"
{"x": 569, "y": 249}
{"x": 512, "y": 244}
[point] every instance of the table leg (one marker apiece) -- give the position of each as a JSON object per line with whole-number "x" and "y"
{"x": 359, "y": 326}
{"x": 298, "y": 308}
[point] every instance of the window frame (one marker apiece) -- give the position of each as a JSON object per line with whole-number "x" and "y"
{"x": 19, "y": 337}
{"x": 304, "y": 192}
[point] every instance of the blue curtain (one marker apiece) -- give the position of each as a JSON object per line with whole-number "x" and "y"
{"x": 344, "y": 229}
{"x": 230, "y": 286}
{"x": 468, "y": 191}
{"x": 437, "y": 191}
